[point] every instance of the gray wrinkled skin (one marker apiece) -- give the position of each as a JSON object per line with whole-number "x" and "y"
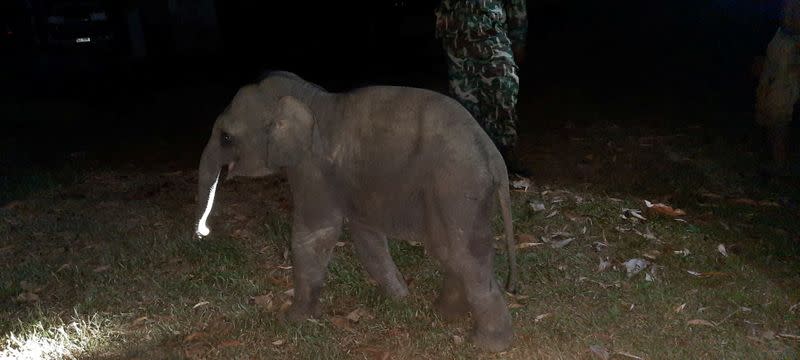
{"x": 390, "y": 162}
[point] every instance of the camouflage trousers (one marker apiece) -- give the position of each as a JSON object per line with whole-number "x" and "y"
{"x": 483, "y": 78}
{"x": 779, "y": 85}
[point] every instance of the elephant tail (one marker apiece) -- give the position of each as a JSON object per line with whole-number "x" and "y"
{"x": 508, "y": 229}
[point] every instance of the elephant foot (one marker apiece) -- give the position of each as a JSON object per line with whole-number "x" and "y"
{"x": 451, "y": 307}
{"x": 396, "y": 293}
{"x": 493, "y": 341}
{"x": 297, "y": 313}
{"x": 396, "y": 289}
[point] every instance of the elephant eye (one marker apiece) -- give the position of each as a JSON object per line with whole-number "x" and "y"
{"x": 225, "y": 139}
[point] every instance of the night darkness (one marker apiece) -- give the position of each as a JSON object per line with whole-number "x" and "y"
{"x": 620, "y": 102}
{"x": 638, "y": 55}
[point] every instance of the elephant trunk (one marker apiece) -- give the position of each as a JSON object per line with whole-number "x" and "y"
{"x": 208, "y": 178}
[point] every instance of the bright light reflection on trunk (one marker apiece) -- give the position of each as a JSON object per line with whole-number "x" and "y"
{"x": 202, "y": 229}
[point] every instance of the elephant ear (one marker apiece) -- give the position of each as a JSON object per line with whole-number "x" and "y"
{"x": 290, "y": 138}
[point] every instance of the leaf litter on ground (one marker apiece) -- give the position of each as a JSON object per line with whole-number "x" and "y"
{"x": 631, "y": 214}
{"x": 358, "y": 314}
{"x": 561, "y": 243}
{"x": 635, "y": 266}
{"x": 600, "y": 352}
{"x": 521, "y": 184}
{"x": 604, "y": 264}
{"x": 662, "y": 209}
{"x": 536, "y": 205}
{"x": 722, "y": 250}
{"x": 701, "y": 322}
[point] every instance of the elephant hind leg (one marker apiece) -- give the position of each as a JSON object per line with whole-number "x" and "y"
{"x": 461, "y": 239}
{"x": 492, "y": 322}
{"x": 372, "y": 249}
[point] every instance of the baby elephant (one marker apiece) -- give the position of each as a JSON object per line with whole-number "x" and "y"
{"x": 388, "y": 161}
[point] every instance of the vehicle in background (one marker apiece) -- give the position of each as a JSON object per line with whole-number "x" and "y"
{"x": 79, "y": 24}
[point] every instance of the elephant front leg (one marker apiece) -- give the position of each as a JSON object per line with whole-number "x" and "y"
{"x": 311, "y": 252}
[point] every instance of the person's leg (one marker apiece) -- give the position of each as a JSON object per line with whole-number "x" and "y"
{"x": 463, "y": 83}
{"x": 499, "y": 94}
{"x": 483, "y": 78}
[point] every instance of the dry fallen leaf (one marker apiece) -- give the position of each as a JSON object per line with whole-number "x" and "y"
{"x": 376, "y": 353}
{"x": 680, "y": 308}
{"x": 229, "y": 343}
{"x": 521, "y": 184}
{"x": 634, "y": 266}
{"x": 138, "y": 321}
{"x": 600, "y": 352}
{"x": 285, "y": 305}
{"x": 279, "y": 342}
{"x": 358, "y": 314}
{"x": 632, "y": 213}
{"x": 289, "y": 292}
{"x": 722, "y": 250}
{"x": 627, "y": 355}
{"x": 745, "y": 201}
{"x": 652, "y": 254}
{"x": 202, "y": 303}
{"x": 194, "y": 336}
{"x": 264, "y": 301}
{"x": 528, "y": 245}
{"x": 706, "y": 274}
{"x": 458, "y": 339}
{"x": 711, "y": 195}
{"x": 599, "y": 246}
{"x": 27, "y": 297}
{"x": 684, "y": 252}
{"x": 604, "y": 264}
{"x": 341, "y": 323}
{"x": 661, "y": 209}
{"x": 102, "y": 268}
{"x": 561, "y": 243}
{"x": 789, "y": 336}
{"x": 701, "y": 322}
{"x": 537, "y": 206}
{"x": 540, "y": 317}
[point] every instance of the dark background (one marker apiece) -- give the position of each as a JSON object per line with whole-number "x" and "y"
{"x": 155, "y": 103}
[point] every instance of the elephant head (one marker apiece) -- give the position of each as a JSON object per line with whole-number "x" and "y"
{"x": 258, "y": 134}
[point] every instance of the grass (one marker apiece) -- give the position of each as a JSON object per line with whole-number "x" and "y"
{"x": 103, "y": 266}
